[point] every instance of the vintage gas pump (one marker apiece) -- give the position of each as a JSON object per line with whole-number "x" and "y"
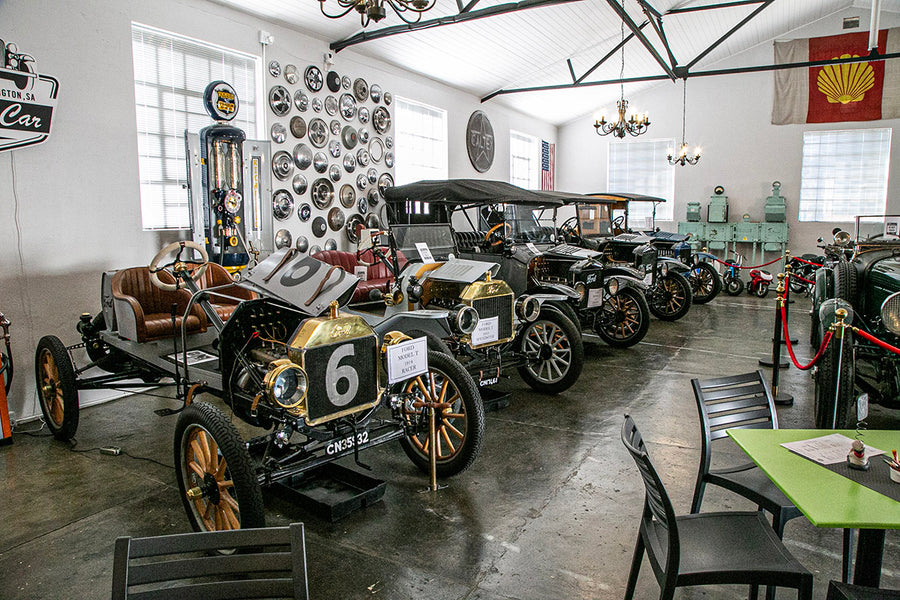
{"x": 226, "y": 214}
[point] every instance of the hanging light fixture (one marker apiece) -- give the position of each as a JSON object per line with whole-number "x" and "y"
{"x": 410, "y": 11}
{"x": 633, "y": 124}
{"x": 682, "y": 158}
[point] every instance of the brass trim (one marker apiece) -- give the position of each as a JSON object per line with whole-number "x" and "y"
{"x": 491, "y": 288}
{"x": 276, "y": 368}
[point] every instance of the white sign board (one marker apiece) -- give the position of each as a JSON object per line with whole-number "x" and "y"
{"x": 487, "y": 331}
{"x": 892, "y": 226}
{"x": 361, "y": 272}
{"x": 532, "y": 248}
{"x": 424, "y": 253}
{"x": 594, "y": 297}
{"x": 407, "y": 359}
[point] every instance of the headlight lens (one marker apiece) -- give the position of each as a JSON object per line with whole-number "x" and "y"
{"x": 890, "y": 313}
{"x": 581, "y": 289}
{"x": 841, "y": 238}
{"x": 286, "y": 384}
{"x": 612, "y": 286}
{"x": 830, "y": 307}
{"x": 464, "y": 318}
{"x": 664, "y": 269}
{"x": 528, "y": 308}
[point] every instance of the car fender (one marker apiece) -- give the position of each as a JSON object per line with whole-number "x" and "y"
{"x": 675, "y": 265}
{"x": 627, "y": 276}
{"x": 705, "y": 257}
{"x": 557, "y": 289}
{"x": 429, "y": 321}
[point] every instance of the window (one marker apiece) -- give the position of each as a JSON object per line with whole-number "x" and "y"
{"x": 170, "y": 74}
{"x": 642, "y": 168}
{"x": 524, "y": 161}
{"x": 844, "y": 174}
{"x": 420, "y": 141}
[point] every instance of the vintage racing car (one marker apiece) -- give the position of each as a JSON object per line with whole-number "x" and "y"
{"x": 283, "y": 357}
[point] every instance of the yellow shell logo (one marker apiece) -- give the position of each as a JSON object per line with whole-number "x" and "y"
{"x": 846, "y": 83}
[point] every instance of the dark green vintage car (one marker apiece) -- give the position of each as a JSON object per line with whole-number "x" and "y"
{"x": 867, "y": 285}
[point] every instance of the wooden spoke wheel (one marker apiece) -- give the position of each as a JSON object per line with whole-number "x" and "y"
{"x": 460, "y": 428}
{"x": 623, "y": 319}
{"x": 552, "y": 344}
{"x": 215, "y": 474}
{"x": 671, "y": 299}
{"x": 705, "y": 283}
{"x": 56, "y": 387}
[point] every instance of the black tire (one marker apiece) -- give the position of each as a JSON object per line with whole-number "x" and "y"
{"x": 624, "y": 319}
{"x": 202, "y": 426}
{"x": 705, "y": 283}
{"x": 56, "y": 387}
{"x": 434, "y": 342}
{"x": 554, "y": 346}
{"x": 465, "y": 420}
{"x": 671, "y": 298}
{"x": 826, "y": 386}
{"x": 823, "y": 290}
{"x": 564, "y": 308}
{"x": 761, "y": 290}
{"x": 845, "y": 281}
{"x": 734, "y": 287}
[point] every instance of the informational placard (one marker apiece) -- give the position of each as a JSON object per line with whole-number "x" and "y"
{"x": 827, "y": 450}
{"x": 594, "y": 297}
{"x": 892, "y": 226}
{"x": 487, "y": 331}
{"x": 362, "y": 273}
{"x": 424, "y": 253}
{"x": 407, "y": 359}
{"x": 532, "y": 248}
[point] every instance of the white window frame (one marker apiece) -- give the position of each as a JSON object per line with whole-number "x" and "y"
{"x": 645, "y": 171}
{"x": 844, "y": 173}
{"x": 168, "y": 101}
{"x": 420, "y": 142}
{"x": 524, "y": 160}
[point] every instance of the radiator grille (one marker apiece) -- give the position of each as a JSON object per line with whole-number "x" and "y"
{"x": 334, "y": 370}
{"x": 497, "y": 306}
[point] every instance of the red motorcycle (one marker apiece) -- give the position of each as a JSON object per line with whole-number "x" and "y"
{"x": 759, "y": 282}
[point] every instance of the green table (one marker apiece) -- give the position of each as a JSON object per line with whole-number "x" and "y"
{"x": 824, "y": 497}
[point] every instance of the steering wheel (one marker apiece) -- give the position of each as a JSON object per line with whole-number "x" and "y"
{"x": 179, "y": 264}
{"x": 619, "y": 222}
{"x": 568, "y": 229}
{"x": 497, "y": 238}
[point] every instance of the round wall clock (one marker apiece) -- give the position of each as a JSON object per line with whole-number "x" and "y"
{"x": 480, "y": 141}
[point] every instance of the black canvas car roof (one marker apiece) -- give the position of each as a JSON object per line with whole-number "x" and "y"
{"x": 476, "y": 192}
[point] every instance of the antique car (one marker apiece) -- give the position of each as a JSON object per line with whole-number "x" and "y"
{"x": 496, "y": 221}
{"x": 463, "y": 308}
{"x": 705, "y": 281}
{"x": 282, "y": 355}
{"x": 867, "y": 286}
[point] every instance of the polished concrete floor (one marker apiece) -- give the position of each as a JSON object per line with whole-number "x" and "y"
{"x": 549, "y": 510}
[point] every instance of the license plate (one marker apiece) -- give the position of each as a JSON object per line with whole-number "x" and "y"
{"x": 489, "y": 377}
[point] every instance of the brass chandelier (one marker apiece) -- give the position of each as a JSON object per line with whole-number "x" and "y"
{"x": 682, "y": 158}
{"x": 374, "y": 10}
{"x": 633, "y": 124}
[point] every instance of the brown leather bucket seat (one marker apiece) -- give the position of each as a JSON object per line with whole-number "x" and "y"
{"x": 144, "y": 312}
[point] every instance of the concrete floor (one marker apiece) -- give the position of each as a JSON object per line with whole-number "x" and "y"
{"x": 549, "y": 510}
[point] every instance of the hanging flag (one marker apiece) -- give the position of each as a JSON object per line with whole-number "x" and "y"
{"x": 548, "y": 165}
{"x": 863, "y": 91}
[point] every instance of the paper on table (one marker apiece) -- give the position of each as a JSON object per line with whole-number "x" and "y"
{"x": 827, "y": 450}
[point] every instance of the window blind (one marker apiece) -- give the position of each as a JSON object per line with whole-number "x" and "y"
{"x": 170, "y": 74}
{"x": 641, "y": 168}
{"x": 524, "y": 161}
{"x": 844, "y": 174}
{"x": 420, "y": 141}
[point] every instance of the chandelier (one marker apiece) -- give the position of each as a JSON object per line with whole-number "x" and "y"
{"x": 374, "y": 10}
{"x": 682, "y": 158}
{"x": 633, "y": 124}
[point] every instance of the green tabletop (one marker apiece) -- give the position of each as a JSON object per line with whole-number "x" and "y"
{"x": 825, "y": 498}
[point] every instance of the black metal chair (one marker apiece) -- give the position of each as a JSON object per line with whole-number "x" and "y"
{"x": 738, "y": 402}
{"x": 707, "y": 548}
{"x": 262, "y": 563}
{"x": 846, "y": 591}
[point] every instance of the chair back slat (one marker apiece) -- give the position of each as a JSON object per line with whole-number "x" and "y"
{"x": 725, "y": 393}
{"x": 737, "y": 405}
{"x": 223, "y": 540}
{"x": 657, "y": 499}
{"x": 730, "y": 380}
{"x": 221, "y": 590}
{"x": 723, "y": 433}
{"x": 741, "y": 420}
{"x": 208, "y": 566}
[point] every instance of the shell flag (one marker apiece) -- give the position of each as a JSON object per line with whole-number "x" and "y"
{"x": 863, "y": 91}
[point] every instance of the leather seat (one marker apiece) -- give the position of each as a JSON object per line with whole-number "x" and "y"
{"x": 378, "y": 277}
{"x": 217, "y": 275}
{"x": 144, "y": 312}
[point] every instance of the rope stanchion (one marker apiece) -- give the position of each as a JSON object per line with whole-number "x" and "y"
{"x": 728, "y": 264}
{"x": 803, "y": 279}
{"x": 808, "y": 262}
{"x": 780, "y": 398}
{"x": 875, "y": 340}
{"x": 818, "y": 355}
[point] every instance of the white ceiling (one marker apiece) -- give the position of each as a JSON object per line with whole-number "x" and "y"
{"x": 529, "y": 48}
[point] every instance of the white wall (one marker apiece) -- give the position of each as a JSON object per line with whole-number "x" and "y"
{"x": 730, "y": 116}
{"x": 70, "y": 208}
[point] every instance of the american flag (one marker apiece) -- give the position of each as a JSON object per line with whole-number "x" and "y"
{"x": 548, "y": 165}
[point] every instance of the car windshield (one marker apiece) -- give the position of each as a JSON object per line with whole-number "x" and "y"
{"x": 524, "y": 223}
{"x": 595, "y": 220}
{"x": 878, "y": 227}
{"x": 437, "y": 236}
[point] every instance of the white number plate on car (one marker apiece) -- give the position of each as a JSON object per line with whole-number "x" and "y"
{"x": 594, "y": 297}
{"x": 407, "y": 359}
{"x": 487, "y": 331}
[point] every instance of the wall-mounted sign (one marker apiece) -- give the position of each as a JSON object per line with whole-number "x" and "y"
{"x": 27, "y": 99}
{"x": 480, "y": 141}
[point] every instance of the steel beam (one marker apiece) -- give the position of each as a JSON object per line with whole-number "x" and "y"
{"x": 468, "y": 7}
{"x": 471, "y": 15}
{"x": 743, "y": 22}
{"x": 687, "y": 9}
{"x": 685, "y": 74}
{"x": 623, "y": 14}
{"x": 608, "y": 54}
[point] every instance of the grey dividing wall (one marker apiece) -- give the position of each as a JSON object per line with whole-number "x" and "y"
{"x": 730, "y": 117}
{"x": 70, "y": 207}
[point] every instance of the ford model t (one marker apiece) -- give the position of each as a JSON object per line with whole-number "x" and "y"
{"x": 319, "y": 383}
{"x": 498, "y": 222}
{"x": 867, "y": 286}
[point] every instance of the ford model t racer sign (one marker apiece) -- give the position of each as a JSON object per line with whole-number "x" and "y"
{"x": 27, "y": 99}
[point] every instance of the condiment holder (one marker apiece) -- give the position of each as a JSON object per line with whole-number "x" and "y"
{"x": 895, "y": 467}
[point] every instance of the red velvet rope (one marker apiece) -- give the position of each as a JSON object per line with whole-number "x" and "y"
{"x": 727, "y": 264}
{"x": 876, "y": 341}
{"x": 790, "y": 347}
{"x": 803, "y": 279}
{"x": 808, "y": 262}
